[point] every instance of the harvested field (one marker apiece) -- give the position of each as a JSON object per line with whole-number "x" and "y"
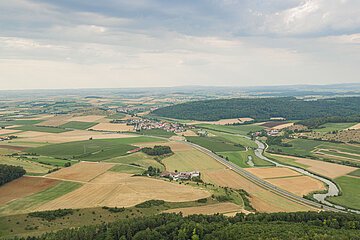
{"x": 261, "y": 199}
{"x": 190, "y": 161}
{"x": 273, "y": 172}
{"x": 326, "y": 169}
{"x": 188, "y": 133}
{"x": 282, "y": 126}
{"x": 8, "y": 131}
{"x": 29, "y": 166}
{"x": 89, "y": 118}
{"x": 82, "y": 172}
{"x": 23, "y": 187}
{"x": 122, "y": 190}
{"x": 356, "y": 126}
{"x": 113, "y": 127}
{"x": 16, "y": 148}
{"x": 300, "y": 185}
{"x": 71, "y": 136}
{"x": 55, "y": 121}
{"x": 226, "y": 207}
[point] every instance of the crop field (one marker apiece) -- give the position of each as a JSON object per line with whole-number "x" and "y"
{"x": 356, "y": 126}
{"x": 261, "y": 199}
{"x": 19, "y": 122}
{"x": 123, "y": 168}
{"x": 235, "y": 139}
{"x": 90, "y": 150}
{"x": 32, "y": 202}
{"x": 299, "y": 185}
{"x": 113, "y": 127}
{"x": 157, "y": 133}
{"x": 8, "y": 131}
{"x": 329, "y": 127}
{"x": 23, "y": 187}
{"x": 238, "y": 129}
{"x": 30, "y": 166}
{"x": 355, "y": 173}
{"x": 137, "y": 159}
{"x": 87, "y": 118}
{"x": 78, "y": 125}
{"x": 41, "y": 129}
{"x": 122, "y": 190}
{"x": 47, "y": 160}
{"x": 82, "y": 172}
{"x": 241, "y": 158}
{"x": 273, "y": 172}
{"x": 330, "y": 170}
{"x": 56, "y": 121}
{"x": 214, "y": 144}
{"x": 350, "y": 192}
{"x": 221, "y": 208}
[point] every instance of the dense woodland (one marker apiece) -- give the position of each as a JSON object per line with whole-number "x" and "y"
{"x": 262, "y": 108}
{"x": 9, "y": 173}
{"x": 317, "y": 122}
{"x": 300, "y": 225}
{"x": 157, "y": 150}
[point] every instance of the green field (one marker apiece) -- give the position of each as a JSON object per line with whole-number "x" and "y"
{"x": 90, "y": 150}
{"x": 215, "y": 144}
{"x": 19, "y": 122}
{"x": 31, "y": 168}
{"x": 117, "y": 116}
{"x": 350, "y": 192}
{"x": 240, "y": 158}
{"x": 78, "y": 125}
{"x": 41, "y": 129}
{"x": 31, "y": 202}
{"x": 47, "y": 160}
{"x": 330, "y": 127}
{"x": 157, "y": 133}
{"x": 127, "y": 169}
{"x": 235, "y": 139}
{"x": 355, "y": 173}
{"x": 139, "y": 158}
{"x": 286, "y": 161}
{"x": 234, "y": 129}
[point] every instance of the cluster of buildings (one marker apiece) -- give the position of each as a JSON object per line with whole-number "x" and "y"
{"x": 5, "y": 138}
{"x": 180, "y": 175}
{"x": 146, "y": 124}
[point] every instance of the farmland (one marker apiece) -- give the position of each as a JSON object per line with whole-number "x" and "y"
{"x": 236, "y": 129}
{"x": 41, "y": 129}
{"x": 78, "y": 125}
{"x": 215, "y": 144}
{"x": 350, "y": 196}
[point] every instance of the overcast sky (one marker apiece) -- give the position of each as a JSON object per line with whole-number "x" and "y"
{"x": 139, "y": 43}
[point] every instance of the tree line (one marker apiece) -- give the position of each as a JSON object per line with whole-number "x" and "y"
{"x": 262, "y": 108}
{"x": 157, "y": 150}
{"x": 299, "y": 225}
{"x": 317, "y": 122}
{"x": 9, "y": 173}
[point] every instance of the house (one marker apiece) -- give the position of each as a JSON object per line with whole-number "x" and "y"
{"x": 180, "y": 175}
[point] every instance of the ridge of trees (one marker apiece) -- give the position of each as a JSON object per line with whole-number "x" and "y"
{"x": 9, "y": 173}
{"x": 262, "y": 108}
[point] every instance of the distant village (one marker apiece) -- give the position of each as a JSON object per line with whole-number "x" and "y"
{"x": 147, "y": 124}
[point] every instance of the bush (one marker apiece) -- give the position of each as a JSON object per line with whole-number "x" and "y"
{"x": 150, "y": 203}
{"x": 157, "y": 150}
{"x": 52, "y": 215}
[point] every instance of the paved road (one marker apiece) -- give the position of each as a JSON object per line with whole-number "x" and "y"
{"x": 260, "y": 182}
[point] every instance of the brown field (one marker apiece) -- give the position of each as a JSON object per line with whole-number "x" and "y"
{"x": 123, "y": 190}
{"x": 23, "y": 187}
{"x": 188, "y": 133}
{"x": 70, "y": 136}
{"x": 282, "y": 126}
{"x": 273, "y": 172}
{"x": 82, "y": 172}
{"x": 226, "y": 207}
{"x": 16, "y": 148}
{"x": 326, "y": 169}
{"x": 113, "y": 127}
{"x": 8, "y": 131}
{"x": 261, "y": 199}
{"x": 222, "y": 121}
{"x": 55, "y": 121}
{"x": 356, "y": 126}
{"x": 88, "y": 118}
{"x": 300, "y": 185}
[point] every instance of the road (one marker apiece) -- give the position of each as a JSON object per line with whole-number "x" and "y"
{"x": 260, "y": 182}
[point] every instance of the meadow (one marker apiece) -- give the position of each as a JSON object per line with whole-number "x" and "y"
{"x": 330, "y": 127}
{"x": 350, "y": 192}
{"x": 41, "y": 129}
{"x": 78, "y": 125}
{"x": 234, "y": 129}
{"x": 215, "y": 144}
{"x": 157, "y": 133}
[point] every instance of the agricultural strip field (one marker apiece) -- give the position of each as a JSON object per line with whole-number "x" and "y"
{"x": 273, "y": 172}
{"x": 82, "y": 172}
{"x": 261, "y": 199}
{"x": 238, "y": 129}
{"x": 350, "y": 190}
{"x": 139, "y": 159}
{"x": 78, "y": 125}
{"x": 355, "y": 173}
{"x": 221, "y": 208}
{"x": 235, "y": 139}
{"x": 122, "y": 168}
{"x": 30, "y": 203}
{"x": 113, "y": 127}
{"x": 29, "y": 166}
{"x": 326, "y": 169}
{"x": 23, "y": 187}
{"x": 330, "y": 127}
{"x": 241, "y": 158}
{"x": 215, "y": 144}
{"x": 123, "y": 190}
{"x": 41, "y": 129}
{"x": 157, "y": 133}
{"x": 88, "y": 118}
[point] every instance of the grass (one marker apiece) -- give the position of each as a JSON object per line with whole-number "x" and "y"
{"x": 47, "y": 160}
{"x": 117, "y": 116}
{"x": 31, "y": 202}
{"x": 29, "y": 166}
{"x": 286, "y": 161}
{"x": 41, "y": 129}
{"x": 241, "y": 157}
{"x": 350, "y": 192}
{"x": 215, "y": 144}
{"x": 157, "y": 133}
{"x": 90, "y": 150}
{"x": 350, "y": 156}
{"x": 78, "y": 125}
{"x": 20, "y": 122}
{"x": 139, "y": 158}
{"x": 127, "y": 169}
{"x": 235, "y": 139}
{"x": 355, "y": 173}
{"x": 330, "y": 127}
{"x": 234, "y": 129}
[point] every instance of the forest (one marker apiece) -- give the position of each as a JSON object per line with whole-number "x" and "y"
{"x": 300, "y": 225}
{"x": 9, "y": 173}
{"x": 317, "y": 122}
{"x": 157, "y": 150}
{"x": 262, "y": 108}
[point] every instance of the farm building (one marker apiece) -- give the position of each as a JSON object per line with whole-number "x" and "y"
{"x": 180, "y": 175}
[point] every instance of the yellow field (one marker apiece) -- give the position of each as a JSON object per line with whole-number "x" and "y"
{"x": 222, "y": 208}
{"x": 122, "y": 190}
{"x": 82, "y": 172}
{"x": 282, "y": 126}
{"x": 55, "y": 121}
{"x": 88, "y": 118}
{"x": 356, "y": 126}
{"x": 272, "y": 172}
{"x": 261, "y": 199}
{"x": 8, "y": 131}
{"x": 113, "y": 127}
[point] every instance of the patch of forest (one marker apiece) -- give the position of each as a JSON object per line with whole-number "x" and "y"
{"x": 262, "y": 108}
{"x": 300, "y": 225}
{"x": 9, "y": 173}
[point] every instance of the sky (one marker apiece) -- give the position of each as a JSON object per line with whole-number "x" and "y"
{"x": 139, "y": 43}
